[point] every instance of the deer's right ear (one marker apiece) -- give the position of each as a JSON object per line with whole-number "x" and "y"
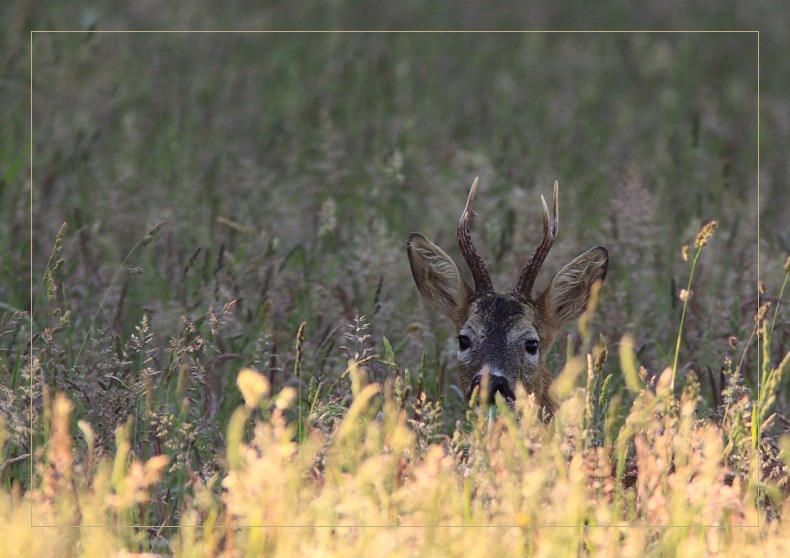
{"x": 437, "y": 277}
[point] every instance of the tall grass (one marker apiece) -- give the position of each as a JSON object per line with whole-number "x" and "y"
{"x": 365, "y": 487}
{"x": 265, "y": 359}
{"x": 647, "y": 475}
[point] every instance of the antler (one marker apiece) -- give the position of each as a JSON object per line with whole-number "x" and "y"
{"x": 476, "y": 264}
{"x": 550, "y": 228}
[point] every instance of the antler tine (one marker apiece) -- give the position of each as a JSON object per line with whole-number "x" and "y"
{"x": 550, "y": 228}
{"x": 477, "y": 266}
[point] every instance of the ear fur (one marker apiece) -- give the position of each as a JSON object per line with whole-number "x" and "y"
{"x": 437, "y": 277}
{"x": 568, "y": 294}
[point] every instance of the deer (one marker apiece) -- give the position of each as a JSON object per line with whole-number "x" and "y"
{"x": 504, "y": 337}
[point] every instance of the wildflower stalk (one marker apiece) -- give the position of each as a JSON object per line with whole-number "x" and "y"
{"x": 54, "y": 264}
{"x": 700, "y": 241}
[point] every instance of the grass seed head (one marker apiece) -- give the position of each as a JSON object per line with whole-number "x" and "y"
{"x": 149, "y": 236}
{"x": 704, "y": 234}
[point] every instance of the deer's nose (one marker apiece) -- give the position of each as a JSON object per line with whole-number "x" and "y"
{"x": 497, "y": 383}
{"x": 500, "y": 385}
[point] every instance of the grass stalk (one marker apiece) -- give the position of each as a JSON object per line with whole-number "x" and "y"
{"x": 699, "y": 242}
{"x": 144, "y": 241}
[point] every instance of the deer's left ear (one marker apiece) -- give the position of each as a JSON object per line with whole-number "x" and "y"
{"x": 437, "y": 278}
{"x": 568, "y": 294}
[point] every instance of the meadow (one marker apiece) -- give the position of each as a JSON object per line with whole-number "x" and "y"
{"x": 219, "y": 349}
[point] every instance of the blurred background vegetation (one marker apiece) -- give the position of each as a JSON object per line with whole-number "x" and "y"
{"x": 290, "y": 168}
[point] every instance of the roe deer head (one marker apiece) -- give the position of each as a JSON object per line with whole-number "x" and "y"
{"x": 503, "y": 338}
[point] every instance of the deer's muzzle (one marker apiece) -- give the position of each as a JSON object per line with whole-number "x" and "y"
{"x": 496, "y": 384}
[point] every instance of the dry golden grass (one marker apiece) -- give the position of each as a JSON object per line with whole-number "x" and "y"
{"x": 510, "y": 487}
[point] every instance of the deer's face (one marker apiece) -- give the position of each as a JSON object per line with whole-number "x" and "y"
{"x": 503, "y": 337}
{"x": 500, "y": 344}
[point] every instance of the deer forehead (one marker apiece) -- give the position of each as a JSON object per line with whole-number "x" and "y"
{"x": 500, "y": 316}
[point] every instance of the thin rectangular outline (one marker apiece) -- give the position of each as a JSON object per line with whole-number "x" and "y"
{"x": 759, "y": 489}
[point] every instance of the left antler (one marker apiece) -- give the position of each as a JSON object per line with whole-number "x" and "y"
{"x": 483, "y": 283}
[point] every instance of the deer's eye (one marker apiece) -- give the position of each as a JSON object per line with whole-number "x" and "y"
{"x": 464, "y": 342}
{"x": 531, "y": 346}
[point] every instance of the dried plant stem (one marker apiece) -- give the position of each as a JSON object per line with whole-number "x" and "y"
{"x": 701, "y": 240}
{"x": 683, "y": 317}
{"x": 298, "y": 372}
{"x": 298, "y": 360}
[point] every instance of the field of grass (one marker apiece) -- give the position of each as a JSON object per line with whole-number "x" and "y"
{"x": 224, "y": 353}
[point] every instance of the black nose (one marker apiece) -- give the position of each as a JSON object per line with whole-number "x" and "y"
{"x": 496, "y": 384}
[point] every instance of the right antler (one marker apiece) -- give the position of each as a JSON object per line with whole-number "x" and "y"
{"x": 483, "y": 283}
{"x": 550, "y": 227}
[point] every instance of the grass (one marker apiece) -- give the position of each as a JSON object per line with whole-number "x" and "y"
{"x": 263, "y": 357}
{"x": 369, "y": 484}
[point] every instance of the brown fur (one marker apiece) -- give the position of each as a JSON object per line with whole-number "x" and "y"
{"x": 499, "y": 324}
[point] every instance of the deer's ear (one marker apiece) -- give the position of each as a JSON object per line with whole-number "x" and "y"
{"x": 437, "y": 277}
{"x": 567, "y": 295}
